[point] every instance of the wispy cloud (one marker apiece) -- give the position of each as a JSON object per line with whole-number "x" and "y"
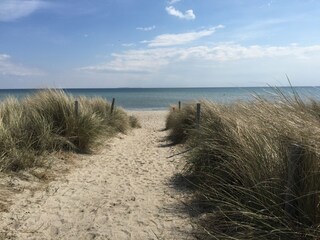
{"x": 146, "y": 28}
{"x": 13, "y": 9}
{"x": 8, "y": 67}
{"x": 152, "y": 60}
{"x": 188, "y": 15}
{"x": 262, "y": 29}
{"x": 135, "y": 61}
{"x": 165, "y": 40}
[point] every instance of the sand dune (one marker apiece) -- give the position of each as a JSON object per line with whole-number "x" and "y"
{"x": 123, "y": 192}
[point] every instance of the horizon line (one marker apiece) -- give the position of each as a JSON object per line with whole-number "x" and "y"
{"x": 101, "y": 88}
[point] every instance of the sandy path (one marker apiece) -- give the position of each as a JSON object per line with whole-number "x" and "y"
{"x": 123, "y": 192}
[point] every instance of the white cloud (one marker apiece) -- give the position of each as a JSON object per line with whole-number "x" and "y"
{"x": 7, "y": 67}
{"x": 173, "y": 2}
{"x": 232, "y": 52}
{"x": 165, "y": 40}
{"x": 152, "y": 60}
{"x": 4, "y": 57}
{"x": 146, "y": 28}
{"x": 188, "y": 15}
{"x": 13, "y": 9}
{"x": 128, "y": 44}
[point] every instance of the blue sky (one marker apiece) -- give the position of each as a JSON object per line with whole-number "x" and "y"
{"x": 159, "y": 43}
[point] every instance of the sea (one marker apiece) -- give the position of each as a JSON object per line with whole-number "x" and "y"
{"x": 163, "y": 98}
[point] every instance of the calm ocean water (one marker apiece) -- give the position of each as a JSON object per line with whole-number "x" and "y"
{"x": 162, "y": 98}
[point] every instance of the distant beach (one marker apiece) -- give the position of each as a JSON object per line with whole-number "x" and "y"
{"x": 161, "y": 98}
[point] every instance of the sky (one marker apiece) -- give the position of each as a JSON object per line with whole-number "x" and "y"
{"x": 159, "y": 43}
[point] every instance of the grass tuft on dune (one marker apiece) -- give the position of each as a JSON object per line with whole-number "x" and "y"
{"x": 241, "y": 157}
{"x": 46, "y": 122}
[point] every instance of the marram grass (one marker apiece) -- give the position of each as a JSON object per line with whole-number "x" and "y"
{"x": 240, "y": 156}
{"x": 46, "y": 122}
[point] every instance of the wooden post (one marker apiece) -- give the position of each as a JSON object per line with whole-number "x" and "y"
{"x": 198, "y": 115}
{"x": 76, "y": 108}
{"x": 112, "y": 105}
{"x": 295, "y": 172}
{"x": 179, "y": 105}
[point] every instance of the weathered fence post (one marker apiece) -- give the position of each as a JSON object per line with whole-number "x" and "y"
{"x": 112, "y": 105}
{"x": 76, "y": 108}
{"x": 198, "y": 115}
{"x": 179, "y": 105}
{"x": 295, "y": 175}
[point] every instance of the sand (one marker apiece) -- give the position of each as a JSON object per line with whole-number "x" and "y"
{"x": 124, "y": 191}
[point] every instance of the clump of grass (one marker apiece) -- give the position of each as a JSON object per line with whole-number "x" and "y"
{"x": 182, "y": 123}
{"x": 117, "y": 121}
{"x": 241, "y": 156}
{"x": 134, "y": 122}
{"x": 46, "y": 122}
{"x": 179, "y": 122}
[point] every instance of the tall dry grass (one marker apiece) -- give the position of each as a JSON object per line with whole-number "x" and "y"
{"x": 241, "y": 158}
{"x": 46, "y": 122}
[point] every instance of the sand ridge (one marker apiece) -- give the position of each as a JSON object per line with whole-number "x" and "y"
{"x": 123, "y": 192}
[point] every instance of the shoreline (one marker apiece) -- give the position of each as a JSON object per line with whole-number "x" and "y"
{"x": 146, "y": 109}
{"x": 157, "y": 99}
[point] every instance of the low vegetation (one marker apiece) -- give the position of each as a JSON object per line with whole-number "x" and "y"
{"x": 256, "y": 164}
{"x": 47, "y": 122}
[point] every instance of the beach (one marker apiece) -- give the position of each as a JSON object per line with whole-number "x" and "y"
{"x": 124, "y": 191}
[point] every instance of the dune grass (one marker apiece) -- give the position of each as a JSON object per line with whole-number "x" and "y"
{"x": 47, "y": 122}
{"x": 240, "y": 157}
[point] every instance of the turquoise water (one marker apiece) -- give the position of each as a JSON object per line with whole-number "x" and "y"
{"x": 161, "y": 98}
